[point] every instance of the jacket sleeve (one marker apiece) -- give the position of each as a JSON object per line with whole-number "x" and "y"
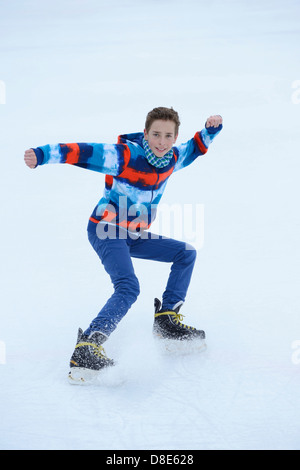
{"x": 110, "y": 159}
{"x": 195, "y": 147}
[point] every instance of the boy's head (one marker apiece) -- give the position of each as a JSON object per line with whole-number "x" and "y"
{"x": 161, "y": 130}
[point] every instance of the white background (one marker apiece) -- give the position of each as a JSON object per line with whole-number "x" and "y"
{"x": 87, "y": 71}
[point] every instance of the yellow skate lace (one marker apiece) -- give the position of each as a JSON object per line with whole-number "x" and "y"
{"x": 97, "y": 350}
{"x": 177, "y": 317}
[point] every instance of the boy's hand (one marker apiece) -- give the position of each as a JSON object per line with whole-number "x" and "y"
{"x": 214, "y": 121}
{"x": 30, "y": 158}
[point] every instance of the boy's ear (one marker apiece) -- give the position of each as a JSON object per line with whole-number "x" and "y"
{"x": 145, "y": 134}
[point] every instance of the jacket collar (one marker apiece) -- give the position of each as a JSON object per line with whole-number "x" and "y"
{"x": 136, "y": 138}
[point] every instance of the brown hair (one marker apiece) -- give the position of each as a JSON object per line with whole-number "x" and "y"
{"x": 164, "y": 114}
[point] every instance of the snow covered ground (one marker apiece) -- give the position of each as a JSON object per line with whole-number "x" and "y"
{"x": 82, "y": 71}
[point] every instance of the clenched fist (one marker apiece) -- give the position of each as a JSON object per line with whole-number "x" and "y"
{"x": 214, "y": 121}
{"x": 30, "y": 158}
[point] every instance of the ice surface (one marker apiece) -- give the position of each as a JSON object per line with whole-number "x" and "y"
{"x": 86, "y": 71}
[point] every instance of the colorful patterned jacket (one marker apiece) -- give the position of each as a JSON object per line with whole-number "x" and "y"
{"x": 133, "y": 187}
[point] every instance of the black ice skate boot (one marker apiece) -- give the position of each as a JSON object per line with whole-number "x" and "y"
{"x": 167, "y": 325}
{"x": 88, "y": 358}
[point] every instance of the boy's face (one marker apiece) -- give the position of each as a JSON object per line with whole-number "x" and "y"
{"x": 161, "y": 137}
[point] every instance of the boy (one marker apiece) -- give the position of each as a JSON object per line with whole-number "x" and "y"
{"x": 137, "y": 169}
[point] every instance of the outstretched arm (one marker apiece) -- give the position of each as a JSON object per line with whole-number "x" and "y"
{"x": 110, "y": 159}
{"x": 198, "y": 146}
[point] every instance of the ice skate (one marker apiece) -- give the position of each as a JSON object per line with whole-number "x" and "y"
{"x": 88, "y": 358}
{"x": 175, "y": 335}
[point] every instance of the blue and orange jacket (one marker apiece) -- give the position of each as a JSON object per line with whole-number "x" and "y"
{"x": 133, "y": 187}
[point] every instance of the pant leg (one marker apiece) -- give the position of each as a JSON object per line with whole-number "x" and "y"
{"x": 181, "y": 255}
{"x": 115, "y": 257}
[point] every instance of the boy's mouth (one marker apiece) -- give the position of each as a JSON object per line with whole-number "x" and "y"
{"x": 160, "y": 150}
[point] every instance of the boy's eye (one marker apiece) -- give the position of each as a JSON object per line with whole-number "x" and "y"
{"x": 169, "y": 136}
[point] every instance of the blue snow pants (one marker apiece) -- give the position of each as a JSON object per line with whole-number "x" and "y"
{"x": 116, "y": 256}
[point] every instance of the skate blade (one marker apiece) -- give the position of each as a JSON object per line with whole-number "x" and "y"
{"x": 82, "y": 376}
{"x": 107, "y": 377}
{"x": 181, "y": 347}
